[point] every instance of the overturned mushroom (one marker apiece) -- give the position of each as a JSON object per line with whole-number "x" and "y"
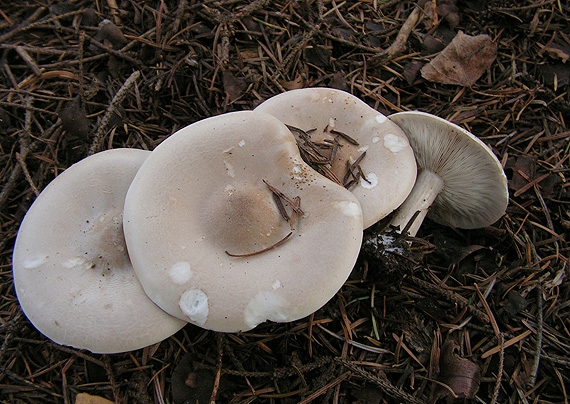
{"x": 347, "y": 140}
{"x": 227, "y": 227}
{"x": 460, "y": 181}
{"x": 72, "y": 273}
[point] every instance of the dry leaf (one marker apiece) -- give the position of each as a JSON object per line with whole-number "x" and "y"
{"x": 84, "y": 398}
{"x": 74, "y": 121}
{"x": 556, "y": 50}
{"x": 110, "y": 35}
{"x": 296, "y": 83}
{"x": 459, "y": 374}
{"x": 463, "y": 61}
{"x": 233, "y": 86}
{"x": 189, "y": 385}
{"x": 435, "y": 11}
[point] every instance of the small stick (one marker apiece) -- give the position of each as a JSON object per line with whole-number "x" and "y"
{"x": 27, "y": 173}
{"x": 293, "y": 217}
{"x": 271, "y": 247}
{"x": 385, "y": 385}
{"x": 218, "y": 376}
{"x": 289, "y": 201}
{"x": 117, "y": 99}
{"x": 281, "y": 207}
{"x": 343, "y": 135}
{"x": 399, "y": 44}
{"x": 539, "y": 331}
{"x": 28, "y": 60}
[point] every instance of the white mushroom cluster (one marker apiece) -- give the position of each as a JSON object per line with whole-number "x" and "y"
{"x": 239, "y": 218}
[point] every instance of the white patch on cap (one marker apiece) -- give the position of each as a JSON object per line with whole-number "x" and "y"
{"x": 230, "y": 169}
{"x": 194, "y": 305}
{"x": 74, "y": 262}
{"x": 297, "y": 172}
{"x": 35, "y": 261}
{"x": 180, "y": 273}
{"x": 375, "y": 139}
{"x": 395, "y": 143}
{"x": 363, "y": 149}
{"x": 332, "y": 123}
{"x": 265, "y": 306}
{"x": 380, "y": 118}
{"x": 349, "y": 208}
{"x": 241, "y": 143}
{"x": 370, "y": 182}
{"x": 276, "y": 285}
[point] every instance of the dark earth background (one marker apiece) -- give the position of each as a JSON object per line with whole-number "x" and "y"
{"x": 479, "y": 316}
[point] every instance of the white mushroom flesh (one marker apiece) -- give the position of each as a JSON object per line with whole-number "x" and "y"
{"x": 72, "y": 273}
{"x": 471, "y": 191}
{"x": 388, "y": 168}
{"x": 185, "y": 213}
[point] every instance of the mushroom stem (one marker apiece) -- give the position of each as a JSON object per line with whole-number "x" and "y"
{"x": 427, "y": 187}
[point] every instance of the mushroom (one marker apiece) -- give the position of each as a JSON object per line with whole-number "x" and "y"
{"x": 364, "y": 150}
{"x": 72, "y": 272}
{"x": 227, "y": 227}
{"x": 460, "y": 181}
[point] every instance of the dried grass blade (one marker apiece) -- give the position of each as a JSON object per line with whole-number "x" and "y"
{"x": 271, "y": 247}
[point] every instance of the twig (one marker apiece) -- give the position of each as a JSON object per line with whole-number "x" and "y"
{"x": 497, "y": 387}
{"x": 117, "y": 99}
{"x": 539, "y": 329}
{"x": 215, "y": 388}
{"x": 28, "y": 27}
{"x": 22, "y": 163}
{"x": 114, "y": 11}
{"x": 325, "y": 388}
{"x": 28, "y": 60}
{"x": 356, "y": 344}
{"x": 271, "y": 247}
{"x": 399, "y": 43}
{"x": 385, "y": 385}
{"x": 112, "y": 380}
{"x": 453, "y": 297}
{"x": 500, "y": 339}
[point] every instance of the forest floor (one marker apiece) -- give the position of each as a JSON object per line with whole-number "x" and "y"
{"x": 477, "y": 316}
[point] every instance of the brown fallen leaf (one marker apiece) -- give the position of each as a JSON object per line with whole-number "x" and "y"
{"x": 110, "y": 35}
{"x": 74, "y": 121}
{"x": 463, "y": 61}
{"x": 85, "y": 398}
{"x": 296, "y": 83}
{"x": 234, "y": 87}
{"x": 459, "y": 374}
{"x": 435, "y": 11}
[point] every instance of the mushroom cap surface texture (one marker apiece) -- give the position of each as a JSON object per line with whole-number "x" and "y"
{"x": 475, "y": 192}
{"x": 389, "y": 166}
{"x": 203, "y": 194}
{"x": 72, "y": 273}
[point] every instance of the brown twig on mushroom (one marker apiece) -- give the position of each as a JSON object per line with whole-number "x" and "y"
{"x": 193, "y": 220}
{"x": 279, "y": 197}
{"x": 383, "y": 180}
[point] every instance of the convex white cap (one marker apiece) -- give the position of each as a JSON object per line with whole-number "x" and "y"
{"x": 460, "y": 181}
{"x": 388, "y": 168}
{"x": 72, "y": 273}
{"x": 206, "y": 194}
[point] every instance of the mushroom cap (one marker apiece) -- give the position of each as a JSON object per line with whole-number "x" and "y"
{"x": 72, "y": 273}
{"x": 203, "y": 194}
{"x": 474, "y": 190}
{"x": 389, "y": 166}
